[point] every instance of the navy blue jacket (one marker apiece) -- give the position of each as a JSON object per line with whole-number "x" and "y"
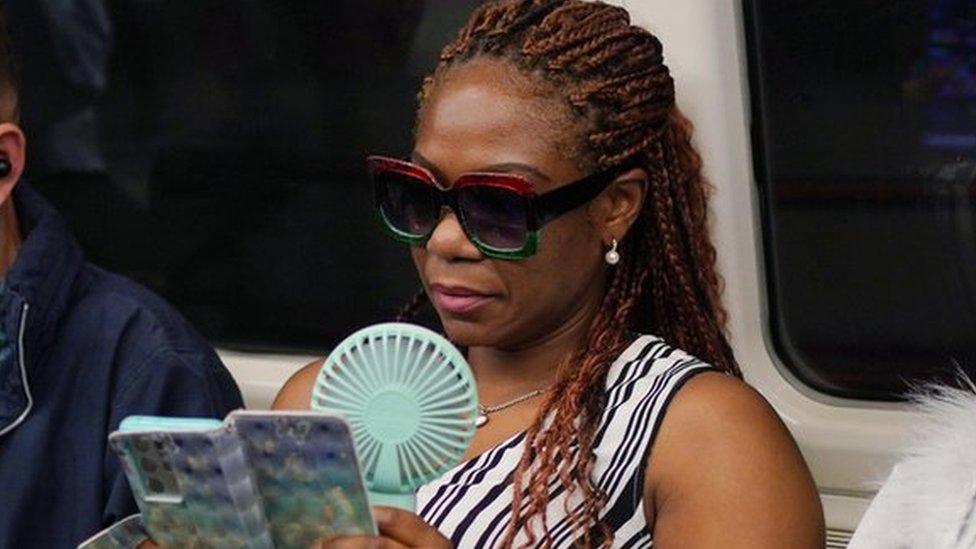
{"x": 81, "y": 349}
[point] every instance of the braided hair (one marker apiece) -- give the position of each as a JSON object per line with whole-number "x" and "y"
{"x": 612, "y": 76}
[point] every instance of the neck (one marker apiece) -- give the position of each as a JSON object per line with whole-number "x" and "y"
{"x": 503, "y": 374}
{"x": 10, "y": 237}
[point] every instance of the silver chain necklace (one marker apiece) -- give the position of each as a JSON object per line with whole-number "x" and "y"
{"x": 483, "y": 411}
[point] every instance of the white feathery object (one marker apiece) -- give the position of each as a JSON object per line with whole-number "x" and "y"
{"x": 929, "y": 500}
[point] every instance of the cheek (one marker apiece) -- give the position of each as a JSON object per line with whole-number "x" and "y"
{"x": 572, "y": 242}
{"x": 567, "y": 265}
{"x": 419, "y": 256}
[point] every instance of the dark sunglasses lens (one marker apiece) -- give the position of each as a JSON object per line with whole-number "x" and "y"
{"x": 497, "y": 216}
{"x": 406, "y": 203}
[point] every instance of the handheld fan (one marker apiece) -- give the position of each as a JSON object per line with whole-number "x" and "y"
{"x": 410, "y": 399}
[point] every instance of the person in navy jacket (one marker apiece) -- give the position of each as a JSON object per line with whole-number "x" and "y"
{"x": 80, "y": 349}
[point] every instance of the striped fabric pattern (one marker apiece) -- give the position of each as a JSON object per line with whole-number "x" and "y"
{"x": 470, "y": 504}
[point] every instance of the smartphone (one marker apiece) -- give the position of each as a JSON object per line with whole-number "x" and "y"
{"x": 308, "y": 475}
{"x": 192, "y": 483}
{"x": 257, "y": 479}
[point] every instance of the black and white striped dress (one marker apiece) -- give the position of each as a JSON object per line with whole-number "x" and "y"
{"x": 470, "y": 504}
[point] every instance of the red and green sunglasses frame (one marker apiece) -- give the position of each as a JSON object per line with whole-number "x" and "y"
{"x": 539, "y": 208}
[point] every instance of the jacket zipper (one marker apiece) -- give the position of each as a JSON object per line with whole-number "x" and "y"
{"x": 23, "y": 372}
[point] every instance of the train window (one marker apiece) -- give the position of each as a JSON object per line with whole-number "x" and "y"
{"x": 864, "y": 119}
{"x": 214, "y": 150}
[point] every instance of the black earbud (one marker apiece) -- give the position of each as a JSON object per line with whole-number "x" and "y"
{"x": 5, "y": 167}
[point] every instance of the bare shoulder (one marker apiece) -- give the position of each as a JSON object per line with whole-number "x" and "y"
{"x": 296, "y": 393}
{"x": 725, "y": 471}
{"x": 712, "y": 404}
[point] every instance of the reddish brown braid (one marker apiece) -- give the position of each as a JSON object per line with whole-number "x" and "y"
{"x": 410, "y": 310}
{"x": 613, "y": 78}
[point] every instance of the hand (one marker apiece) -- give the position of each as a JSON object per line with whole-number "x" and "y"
{"x": 398, "y": 529}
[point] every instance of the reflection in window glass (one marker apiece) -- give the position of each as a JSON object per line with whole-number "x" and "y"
{"x": 865, "y": 148}
{"x": 222, "y": 158}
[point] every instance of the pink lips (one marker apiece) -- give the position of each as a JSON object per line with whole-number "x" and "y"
{"x": 458, "y": 299}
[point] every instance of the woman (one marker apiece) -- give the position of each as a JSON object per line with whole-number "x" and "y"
{"x": 566, "y": 97}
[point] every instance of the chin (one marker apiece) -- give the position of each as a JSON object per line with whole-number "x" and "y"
{"x": 468, "y": 333}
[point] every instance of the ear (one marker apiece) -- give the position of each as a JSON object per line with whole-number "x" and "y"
{"x": 13, "y": 149}
{"x": 616, "y": 209}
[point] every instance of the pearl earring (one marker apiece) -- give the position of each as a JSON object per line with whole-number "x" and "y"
{"x": 612, "y": 257}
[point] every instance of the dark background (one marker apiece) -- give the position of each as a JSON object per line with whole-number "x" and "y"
{"x": 213, "y": 150}
{"x": 227, "y": 171}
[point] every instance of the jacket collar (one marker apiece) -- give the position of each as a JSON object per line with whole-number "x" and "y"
{"x": 35, "y": 294}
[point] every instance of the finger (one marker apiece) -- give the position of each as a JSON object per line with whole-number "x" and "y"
{"x": 407, "y": 528}
{"x": 358, "y": 542}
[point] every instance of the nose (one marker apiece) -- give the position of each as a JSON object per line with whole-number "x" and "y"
{"x": 449, "y": 241}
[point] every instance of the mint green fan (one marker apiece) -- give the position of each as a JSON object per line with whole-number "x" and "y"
{"x": 410, "y": 399}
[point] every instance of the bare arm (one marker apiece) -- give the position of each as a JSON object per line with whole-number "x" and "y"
{"x": 725, "y": 472}
{"x": 296, "y": 394}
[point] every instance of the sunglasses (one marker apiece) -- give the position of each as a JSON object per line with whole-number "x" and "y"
{"x": 500, "y": 213}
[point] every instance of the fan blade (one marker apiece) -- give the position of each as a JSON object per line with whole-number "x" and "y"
{"x": 448, "y": 394}
{"x": 342, "y": 400}
{"x": 368, "y": 453}
{"x": 461, "y": 407}
{"x": 414, "y": 464}
{"x": 447, "y": 422}
{"x": 453, "y": 442}
{"x": 444, "y": 383}
{"x": 450, "y": 432}
{"x": 423, "y": 458}
{"x": 364, "y": 370}
{"x": 350, "y": 382}
{"x": 377, "y": 359}
{"x": 412, "y": 367}
{"x": 393, "y": 358}
{"x": 425, "y": 378}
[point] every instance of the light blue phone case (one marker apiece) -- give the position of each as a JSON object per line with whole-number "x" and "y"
{"x": 192, "y": 483}
{"x": 124, "y": 534}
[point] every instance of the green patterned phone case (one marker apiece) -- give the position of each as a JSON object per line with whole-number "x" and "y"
{"x": 308, "y": 475}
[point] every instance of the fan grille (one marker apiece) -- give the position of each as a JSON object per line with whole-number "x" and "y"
{"x": 410, "y": 399}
